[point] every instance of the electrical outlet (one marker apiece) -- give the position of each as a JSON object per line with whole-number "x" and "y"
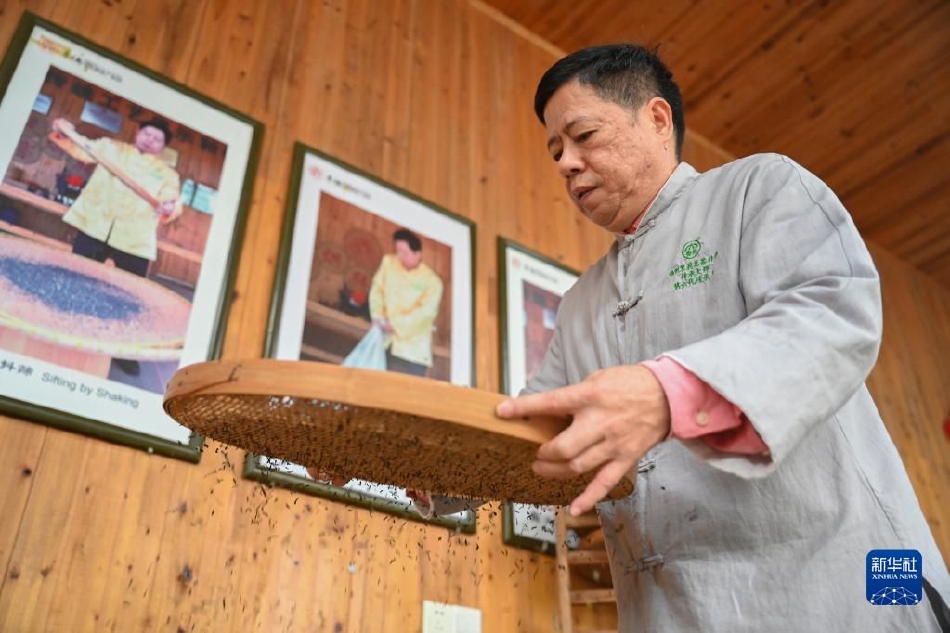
{"x": 440, "y": 617}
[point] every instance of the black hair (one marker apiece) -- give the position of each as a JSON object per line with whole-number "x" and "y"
{"x": 159, "y": 125}
{"x": 626, "y": 74}
{"x": 410, "y": 238}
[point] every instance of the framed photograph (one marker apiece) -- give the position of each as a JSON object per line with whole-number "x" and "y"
{"x": 369, "y": 276}
{"x": 530, "y": 288}
{"x": 109, "y": 280}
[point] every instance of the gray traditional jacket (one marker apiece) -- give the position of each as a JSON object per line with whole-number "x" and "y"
{"x": 753, "y": 277}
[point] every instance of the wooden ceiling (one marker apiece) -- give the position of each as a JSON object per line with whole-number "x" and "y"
{"x": 856, "y": 91}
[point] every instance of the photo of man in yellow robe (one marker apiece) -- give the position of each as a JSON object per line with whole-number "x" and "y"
{"x": 114, "y": 221}
{"x": 404, "y": 302}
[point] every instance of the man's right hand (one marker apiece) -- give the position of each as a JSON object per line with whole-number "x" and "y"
{"x": 618, "y": 414}
{"x": 62, "y": 126}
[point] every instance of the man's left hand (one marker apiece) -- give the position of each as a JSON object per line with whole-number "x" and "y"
{"x": 619, "y": 414}
{"x": 166, "y": 208}
{"x": 383, "y": 324}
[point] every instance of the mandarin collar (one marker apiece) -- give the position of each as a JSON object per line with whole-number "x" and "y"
{"x": 681, "y": 177}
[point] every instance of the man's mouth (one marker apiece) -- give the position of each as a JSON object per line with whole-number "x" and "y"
{"x": 580, "y": 193}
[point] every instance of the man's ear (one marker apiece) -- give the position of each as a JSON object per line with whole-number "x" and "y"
{"x": 660, "y": 117}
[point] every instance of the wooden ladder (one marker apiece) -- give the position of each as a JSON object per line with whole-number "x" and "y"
{"x": 583, "y": 576}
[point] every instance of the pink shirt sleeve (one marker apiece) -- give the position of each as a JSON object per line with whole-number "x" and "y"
{"x": 699, "y": 411}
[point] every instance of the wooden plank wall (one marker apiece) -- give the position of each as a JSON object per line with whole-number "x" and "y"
{"x": 434, "y": 96}
{"x": 911, "y": 383}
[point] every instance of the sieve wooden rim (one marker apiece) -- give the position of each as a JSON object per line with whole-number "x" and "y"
{"x": 146, "y": 351}
{"x": 359, "y": 388}
{"x": 492, "y": 456}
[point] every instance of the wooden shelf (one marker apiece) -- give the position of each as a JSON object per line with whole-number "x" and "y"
{"x": 588, "y": 520}
{"x": 321, "y": 355}
{"x": 19, "y": 231}
{"x": 586, "y": 566}
{"x": 593, "y": 540}
{"x": 350, "y": 327}
{"x": 592, "y": 596}
{"x": 55, "y": 208}
{"x": 587, "y": 557}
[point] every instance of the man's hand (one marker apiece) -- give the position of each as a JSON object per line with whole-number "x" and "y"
{"x": 619, "y": 414}
{"x": 62, "y": 126}
{"x": 383, "y": 324}
{"x": 166, "y": 208}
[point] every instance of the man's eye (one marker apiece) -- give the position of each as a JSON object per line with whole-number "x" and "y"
{"x": 556, "y": 156}
{"x": 583, "y": 137}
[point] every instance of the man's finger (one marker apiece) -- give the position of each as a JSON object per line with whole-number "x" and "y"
{"x": 553, "y": 470}
{"x": 581, "y": 436}
{"x": 581, "y": 460}
{"x": 560, "y": 469}
{"x": 603, "y": 482}
{"x": 563, "y": 401}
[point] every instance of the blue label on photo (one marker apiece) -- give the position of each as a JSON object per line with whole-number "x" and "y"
{"x": 894, "y": 577}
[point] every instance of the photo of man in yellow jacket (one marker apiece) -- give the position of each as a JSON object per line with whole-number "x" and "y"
{"x": 116, "y": 221}
{"x": 404, "y": 302}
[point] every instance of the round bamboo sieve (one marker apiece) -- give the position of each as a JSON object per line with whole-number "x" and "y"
{"x": 61, "y": 298}
{"x": 383, "y": 427}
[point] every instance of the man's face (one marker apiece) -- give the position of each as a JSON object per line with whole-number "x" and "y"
{"x": 613, "y": 161}
{"x": 150, "y": 140}
{"x": 407, "y": 257}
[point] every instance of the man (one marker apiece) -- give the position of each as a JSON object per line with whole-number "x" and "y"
{"x": 114, "y": 222}
{"x": 717, "y": 354}
{"x": 404, "y": 301}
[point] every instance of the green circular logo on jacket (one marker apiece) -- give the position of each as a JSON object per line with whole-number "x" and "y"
{"x": 691, "y": 249}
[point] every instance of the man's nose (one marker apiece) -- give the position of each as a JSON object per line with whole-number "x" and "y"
{"x": 569, "y": 163}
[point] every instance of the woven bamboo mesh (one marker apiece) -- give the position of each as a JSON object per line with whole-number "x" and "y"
{"x": 459, "y": 457}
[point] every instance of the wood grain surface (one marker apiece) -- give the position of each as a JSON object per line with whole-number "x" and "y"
{"x": 434, "y": 96}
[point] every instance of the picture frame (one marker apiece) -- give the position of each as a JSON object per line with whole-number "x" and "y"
{"x": 359, "y": 254}
{"x": 108, "y": 282}
{"x": 530, "y": 288}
